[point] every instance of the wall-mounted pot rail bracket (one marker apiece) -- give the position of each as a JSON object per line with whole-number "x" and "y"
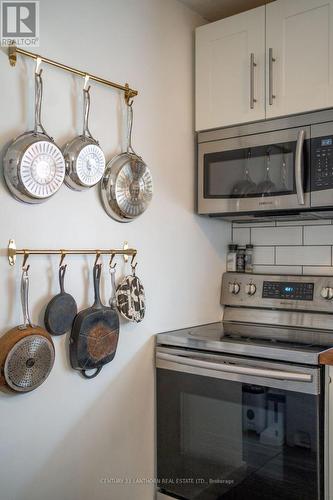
{"x": 13, "y": 50}
{"x": 13, "y": 252}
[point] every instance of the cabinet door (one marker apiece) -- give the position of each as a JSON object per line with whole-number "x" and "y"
{"x": 299, "y": 50}
{"x": 225, "y": 77}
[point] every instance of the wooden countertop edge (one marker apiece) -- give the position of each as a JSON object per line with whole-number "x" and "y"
{"x": 326, "y": 357}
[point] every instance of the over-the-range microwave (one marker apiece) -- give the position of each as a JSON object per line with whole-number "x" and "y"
{"x": 280, "y": 168}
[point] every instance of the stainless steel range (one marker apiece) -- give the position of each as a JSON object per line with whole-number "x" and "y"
{"x": 241, "y": 409}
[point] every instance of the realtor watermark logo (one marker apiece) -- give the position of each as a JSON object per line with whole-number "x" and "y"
{"x": 20, "y": 23}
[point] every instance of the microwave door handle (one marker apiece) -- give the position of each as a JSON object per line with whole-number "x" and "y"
{"x": 298, "y": 167}
{"x": 236, "y": 369}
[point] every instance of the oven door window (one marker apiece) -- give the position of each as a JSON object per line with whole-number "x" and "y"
{"x": 251, "y": 172}
{"x": 226, "y": 440}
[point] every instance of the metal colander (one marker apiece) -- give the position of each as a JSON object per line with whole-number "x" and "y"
{"x": 29, "y": 363}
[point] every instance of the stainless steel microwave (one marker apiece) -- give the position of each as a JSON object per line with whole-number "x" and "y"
{"x": 281, "y": 168}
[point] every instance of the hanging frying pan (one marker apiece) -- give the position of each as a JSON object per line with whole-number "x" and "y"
{"x": 34, "y": 167}
{"x": 85, "y": 161}
{"x": 26, "y": 351}
{"x": 94, "y": 335}
{"x": 130, "y": 298}
{"x": 61, "y": 310}
{"x": 127, "y": 185}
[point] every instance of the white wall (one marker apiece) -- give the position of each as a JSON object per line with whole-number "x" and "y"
{"x": 59, "y": 441}
{"x": 290, "y": 247}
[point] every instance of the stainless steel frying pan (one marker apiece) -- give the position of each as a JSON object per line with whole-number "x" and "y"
{"x": 127, "y": 185}
{"x": 26, "y": 351}
{"x": 34, "y": 167}
{"x": 85, "y": 160}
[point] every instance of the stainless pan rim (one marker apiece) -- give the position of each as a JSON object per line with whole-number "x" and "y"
{"x": 15, "y": 153}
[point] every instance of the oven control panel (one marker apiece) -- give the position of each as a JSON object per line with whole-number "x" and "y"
{"x": 312, "y": 293}
{"x": 322, "y": 163}
{"x": 287, "y": 290}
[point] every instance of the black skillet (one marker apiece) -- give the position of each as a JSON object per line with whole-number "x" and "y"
{"x": 94, "y": 335}
{"x": 61, "y": 310}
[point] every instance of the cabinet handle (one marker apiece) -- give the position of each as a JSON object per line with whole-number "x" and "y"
{"x": 252, "y": 66}
{"x": 271, "y": 60}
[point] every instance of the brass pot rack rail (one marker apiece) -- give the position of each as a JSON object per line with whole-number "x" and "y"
{"x": 12, "y": 56}
{"x": 13, "y": 252}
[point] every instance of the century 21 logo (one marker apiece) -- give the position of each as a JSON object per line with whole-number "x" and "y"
{"x": 19, "y": 20}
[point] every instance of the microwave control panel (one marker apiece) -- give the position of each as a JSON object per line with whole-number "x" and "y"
{"x": 322, "y": 163}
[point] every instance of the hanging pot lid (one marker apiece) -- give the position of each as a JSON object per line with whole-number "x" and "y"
{"x": 127, "y": 185}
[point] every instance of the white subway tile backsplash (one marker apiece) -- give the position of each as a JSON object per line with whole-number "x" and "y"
{"x": 241, "y": 235}
{"x": 264, "y": 255}
{"x": 318, "y": 235}
{"x": 276, "y": 236}
{"x": 313, "y": 270}
{"x": 278, "y": 269}
{"x": 303, "y": 255}
{"x": 289, "y": 247}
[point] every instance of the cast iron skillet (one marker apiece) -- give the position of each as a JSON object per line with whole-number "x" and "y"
{"x": 94, "y": 335}
{"x": 61, "y": 310}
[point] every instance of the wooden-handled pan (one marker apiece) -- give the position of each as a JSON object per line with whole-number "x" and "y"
{"x": 26, "y": 351}
{"x": 94, "y": 335}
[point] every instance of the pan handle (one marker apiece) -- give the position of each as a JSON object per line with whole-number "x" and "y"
{"x": 93, "y": 375}
{"x": 62, "y": 272}
{"x": 25, "y": 297}
{"x": 97, "y": 281}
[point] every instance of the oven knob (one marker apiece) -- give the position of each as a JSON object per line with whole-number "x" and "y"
{"x": 234, "y": 288}
{"x": 327, "y": 293}
{"x": 250, "y": 288}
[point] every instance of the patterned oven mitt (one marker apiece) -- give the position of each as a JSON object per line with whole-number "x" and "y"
{"x": 130, "y": 297}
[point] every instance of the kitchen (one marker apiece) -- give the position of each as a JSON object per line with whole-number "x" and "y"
{"x": 73, "y": 438}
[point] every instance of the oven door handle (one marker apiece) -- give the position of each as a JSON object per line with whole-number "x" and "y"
{"x": 298, "y": 167}
{"x": 237, "y": 369}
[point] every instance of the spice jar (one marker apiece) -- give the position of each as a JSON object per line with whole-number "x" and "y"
{"x": 249, "y": 259}
{"x": 240, "y": 260}
{"x": 231, "y": 257}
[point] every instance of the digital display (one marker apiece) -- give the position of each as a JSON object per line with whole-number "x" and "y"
{"x": 290, "y": 291}
{"x": 327, "y": 142}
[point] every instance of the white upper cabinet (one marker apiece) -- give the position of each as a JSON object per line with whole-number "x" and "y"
{"x": 290, "y": 44}
{"x": 230, "y": 70}
{"x": 299, "y": 50}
